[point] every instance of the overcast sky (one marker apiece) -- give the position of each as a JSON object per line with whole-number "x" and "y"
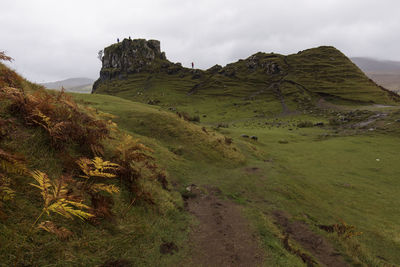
{"x": 56, "y": 39}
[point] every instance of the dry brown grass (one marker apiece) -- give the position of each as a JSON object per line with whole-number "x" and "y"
{"x": 4, "y": 57}
{"x": 60, "y": 117}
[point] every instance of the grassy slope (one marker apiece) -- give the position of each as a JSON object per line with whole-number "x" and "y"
{"x": 134, "y": 235}
{"x": 249, "y": 85}
{"x": 326, "y": 70}
{"x": 310, "y": 177}
{"x": 319, "y": 180}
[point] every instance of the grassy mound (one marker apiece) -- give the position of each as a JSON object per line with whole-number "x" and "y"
{"x": 74, "y": 189}
{"x": 265, "y": 84}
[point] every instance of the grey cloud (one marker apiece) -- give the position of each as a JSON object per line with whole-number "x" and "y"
{"x": 52, "y": 40}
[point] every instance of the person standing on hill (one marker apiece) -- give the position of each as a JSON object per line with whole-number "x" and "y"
{"x": 192, "y": 65}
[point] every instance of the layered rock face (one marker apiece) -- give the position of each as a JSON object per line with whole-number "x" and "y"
{"x": 130, "y": 56}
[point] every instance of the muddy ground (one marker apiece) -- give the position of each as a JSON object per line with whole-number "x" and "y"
{"x": 223, "y": 236}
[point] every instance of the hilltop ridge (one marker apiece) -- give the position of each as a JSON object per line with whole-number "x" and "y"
{"x": 138, "y": 70}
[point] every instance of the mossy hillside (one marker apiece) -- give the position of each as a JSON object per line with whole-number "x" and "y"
{"x": 327, "y": 71}
{"x": 9, "y": 77}
{"x": 320, "y": 175}
{"x": 271, "y": 81}
{"x": 133, "y": 234}
{"x": 185, "y": 139}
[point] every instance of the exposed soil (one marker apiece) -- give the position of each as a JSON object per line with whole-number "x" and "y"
{"x": 370, "y": 120}
{"x": 252, "y": 169}
{"x": 323, "y": 104}
{"x": 168, "y": 248}
{"x": 222, "y": 237}
{"x": 319, "y": 248}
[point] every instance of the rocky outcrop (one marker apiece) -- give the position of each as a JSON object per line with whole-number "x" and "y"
{"x": 131, "y": 56}
{"x": 258, "y": 61}
{"x": 214, "y": 69}
{"x": 317, "y": 72}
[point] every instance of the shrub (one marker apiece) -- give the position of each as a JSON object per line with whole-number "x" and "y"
{"x": 60, "y": 117}
{"x": 195, "y": 118}
{"x": 187, "y": 117}
{"x": 335, "y": 121}
{"x": 9, "y": 78}
{"x": 222, "y": 125}
{"x": 342, "y": 229}
{"x": 228, "y": 140}
{"x": 9, "y": 164}
{"x": 4, "y": 57}
{"x": 137, "y": 167}
{"x": 305, "y": 124}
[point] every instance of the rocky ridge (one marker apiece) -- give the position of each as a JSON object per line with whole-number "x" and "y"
{"x": 322, "y": 72}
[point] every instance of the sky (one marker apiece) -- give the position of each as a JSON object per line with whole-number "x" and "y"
{"x": 55, "y": 39}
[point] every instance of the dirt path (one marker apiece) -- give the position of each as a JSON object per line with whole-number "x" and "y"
{"x": 312, "y": 242}
{"x": 223, "y": 236}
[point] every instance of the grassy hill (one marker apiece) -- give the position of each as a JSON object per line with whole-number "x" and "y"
{"x": 60, "y": 201}
{"x": 323, "y": 169}
{"x": 267, "y": 84}
{"x": 320, "y": 175}
{"x": 295, "y": 166}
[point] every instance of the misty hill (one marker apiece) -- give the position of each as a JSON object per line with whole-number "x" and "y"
{"x": 369, "y": 65}
{"x": 78, "y": 85}
{"x": 383, "y": 72}
{"x": 138, "y": 70}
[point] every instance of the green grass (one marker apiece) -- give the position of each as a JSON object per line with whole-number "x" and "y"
{"x": 319, "y": 180}
{"x": 318, "y": 175}
{"x": 251, "y": 90}
{"x": 134, "y": 234}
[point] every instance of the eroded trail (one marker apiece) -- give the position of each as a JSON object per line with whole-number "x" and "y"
{"x": 317, "y": 245}
{"x": 222, "y": 237}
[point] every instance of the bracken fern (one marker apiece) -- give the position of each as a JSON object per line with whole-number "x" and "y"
{"x": 10, "y": 163}
{"x": 56, "y": 199}
{"x": 4, "y": 57}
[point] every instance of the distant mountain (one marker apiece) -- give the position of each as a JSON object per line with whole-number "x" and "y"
{"x": 77, "y": 85}
{"x": 376, "y": 66}
{"x": 383, "y": 72}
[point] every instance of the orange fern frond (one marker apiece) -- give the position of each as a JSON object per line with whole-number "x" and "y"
{"x": 104, "y": 187}
{"x": 10, "y": 163}
{"x": 4, "y": 57}
{"x": 55, "y": 197}
{"x": 6, "y": 193}
{"x": 61, "y": 232}
{"x": 97, "y": 168}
